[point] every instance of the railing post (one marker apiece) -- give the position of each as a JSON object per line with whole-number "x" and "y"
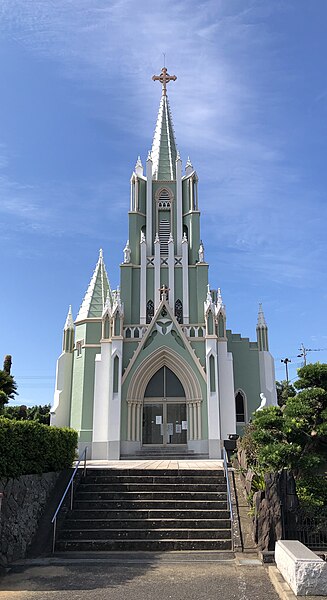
{"x": 84, "y": 473}
{"x": 54, "y": 535}
{"x": 72, "y": 496}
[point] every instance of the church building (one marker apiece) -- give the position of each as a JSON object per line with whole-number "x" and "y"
{"x": 151, "y": 367}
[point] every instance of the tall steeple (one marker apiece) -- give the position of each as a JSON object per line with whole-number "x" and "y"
{"x": 262, "y": 331}
{"x": 96, "y": 294}
{"x": 164, "y": 151}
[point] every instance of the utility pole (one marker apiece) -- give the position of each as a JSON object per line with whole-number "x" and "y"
{"x": 303, "y": 354}
{"x": 286, "y": 361}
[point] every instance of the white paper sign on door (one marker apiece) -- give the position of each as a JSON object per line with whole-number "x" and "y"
{"x": 158, "y": 420}
{"x": 184, "y": 424}
{"x": 178, "y": 428}
{"x": 170, "y": 428}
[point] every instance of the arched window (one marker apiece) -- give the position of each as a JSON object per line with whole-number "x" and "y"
{"x": 179, "y": 311}
{"x": 149, "y": 311}
{"x": 164, "y": 384}
{"x": 240, "y": 407}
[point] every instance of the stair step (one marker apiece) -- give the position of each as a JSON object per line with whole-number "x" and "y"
{"x": 144, "y": 534}
{"x": 150, "y": 480}
{"x": 83, "y": 524}
{"x": 141, "y": 545}
{"x": 146, "y": 513}
{"x": 152, "y": 487}
{"x": 154, "y": 473}
{"x": 150, "y": 504}
{"x": 155, "y": 496}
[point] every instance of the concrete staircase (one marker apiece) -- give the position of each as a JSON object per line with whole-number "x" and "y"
{"x": 148, "y": 510}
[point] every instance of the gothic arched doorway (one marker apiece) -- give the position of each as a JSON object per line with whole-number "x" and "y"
{"x": 164, "y": 410}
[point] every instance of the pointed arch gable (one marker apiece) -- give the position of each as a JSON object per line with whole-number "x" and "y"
{"x": 150, "y": 365}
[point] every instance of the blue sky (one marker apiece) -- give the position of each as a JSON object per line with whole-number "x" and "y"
{"x": 77, "y": 107}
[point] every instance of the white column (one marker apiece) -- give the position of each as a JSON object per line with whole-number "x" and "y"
{"x": 156, "y": 292}
{"x": 198, "y": 408}
{"x": 214, "y": 433}
{"x": 143, "y": 282}
{"x": 226, "y": 390}
{"x": 185, "y": 281}
{"x": 171, "y": 268}
{"x": 190, "y": 422}
{"x": 115, "y": 404}
{"x": 149, "y": 205}
{"x": 101, "y": 403}
{"x": 179, "y": 205}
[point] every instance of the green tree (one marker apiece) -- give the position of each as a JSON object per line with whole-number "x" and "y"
{"x": 8, "y": 388}
{"x": 284, "y": 390}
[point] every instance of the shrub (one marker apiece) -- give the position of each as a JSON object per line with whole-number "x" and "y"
{"x": 28, "y": 447}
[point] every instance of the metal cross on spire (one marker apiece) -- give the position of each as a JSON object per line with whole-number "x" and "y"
{"x": 164, "y": 78}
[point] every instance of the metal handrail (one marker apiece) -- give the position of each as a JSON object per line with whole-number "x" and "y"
{"x": 70, "y": 484}
{"x": 229, "y": 495}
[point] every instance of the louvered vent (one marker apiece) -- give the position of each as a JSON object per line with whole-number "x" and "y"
{"x": 164, "y": 232}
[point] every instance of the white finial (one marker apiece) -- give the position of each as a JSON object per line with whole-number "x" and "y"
{"x": 139, "y": 166}
{"x": 209, "y": 297}
{"x": 142, "y": 238}
{"x": 127, "y": 253}
{"x": 170, "y": 239}
{"x": 220, "y": 303}
{"x": 188, "y": 167}
{"x": 156, "y": 239}
{"x": 178, "y": 157}
{"x": 201, "y": 252}
{"x": 69, "y": 324}
{"x": 107, "y": 304}
{"x": 261, "y": 317}
{"x": 100, "y": 253}
{"x": 149, "y": 156}
{"x": 184, "y": 240}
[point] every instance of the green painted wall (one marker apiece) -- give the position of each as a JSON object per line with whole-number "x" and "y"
{"x": 93, "y": 332}
{"x": 136, "y": 221}
{"x": 246, "y": 368}
{"x": 126, "y": 278}
{"x": 128, "y": 351}
{"x": 135, "y": 308}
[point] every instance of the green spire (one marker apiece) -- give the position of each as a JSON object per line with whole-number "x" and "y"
{"x": 96, "y": 294}
{"x": 164, "y": 151}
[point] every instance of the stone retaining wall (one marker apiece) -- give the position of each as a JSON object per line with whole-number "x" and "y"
{"x": 23, "y": 501}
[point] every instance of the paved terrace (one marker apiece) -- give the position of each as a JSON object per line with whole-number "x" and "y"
{"x": 201, "y": 465}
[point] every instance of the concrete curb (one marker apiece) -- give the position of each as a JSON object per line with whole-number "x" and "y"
{"x": 282, "y": 588}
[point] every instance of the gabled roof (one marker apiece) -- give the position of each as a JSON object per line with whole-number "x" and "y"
{"x": 164, "y": 151}
{"x": 96, "y": 294}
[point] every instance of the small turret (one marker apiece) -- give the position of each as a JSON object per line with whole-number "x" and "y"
{"x": 188, "y": 167}
{"x": 262, "y": 331}
{"x": 220, "y": 316}
{"x": 139, "y": 167}
{"x": 68, "y": 337}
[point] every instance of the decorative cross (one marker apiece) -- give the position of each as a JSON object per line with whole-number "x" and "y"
{"x": 164, "y": 78}
{"x": 164, "y": 292}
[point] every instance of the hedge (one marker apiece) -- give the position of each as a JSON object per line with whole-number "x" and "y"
{"x": 28, "y": 447}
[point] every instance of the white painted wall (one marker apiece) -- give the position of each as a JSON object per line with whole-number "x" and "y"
{"x": 267, "y": 377}
{"x": 226, "y": 390}
{"x": 60, "y": 411}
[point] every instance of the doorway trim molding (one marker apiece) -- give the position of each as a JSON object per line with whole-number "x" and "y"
{"x": 140, "y": 379}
